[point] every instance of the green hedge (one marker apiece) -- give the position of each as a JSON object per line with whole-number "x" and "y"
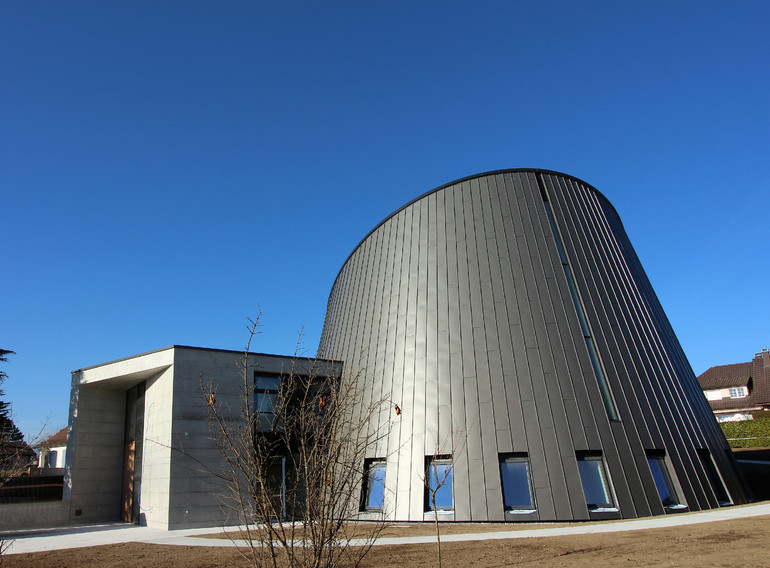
{"x": 757, "y": 428}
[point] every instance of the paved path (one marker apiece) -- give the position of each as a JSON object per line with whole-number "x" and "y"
{"x": 115, "y": 533}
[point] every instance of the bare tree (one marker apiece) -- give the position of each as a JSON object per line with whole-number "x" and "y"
{"x": 438, "y": 480}
{"x": 293, "y": 452}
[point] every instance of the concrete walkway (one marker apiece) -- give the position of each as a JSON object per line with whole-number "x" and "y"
{"x": 115, "y": 533}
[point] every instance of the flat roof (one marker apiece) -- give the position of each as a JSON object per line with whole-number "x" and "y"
{"x": 295, "y": 357}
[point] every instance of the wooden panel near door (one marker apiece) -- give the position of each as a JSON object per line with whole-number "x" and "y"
{"x": 127, "y": 501}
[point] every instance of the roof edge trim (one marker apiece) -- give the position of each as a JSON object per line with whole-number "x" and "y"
{"x": 190, "y": 347}
{"x": 460, "y": 180}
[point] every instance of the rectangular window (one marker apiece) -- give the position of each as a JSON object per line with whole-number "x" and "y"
{"x": 517, "y": 486}
{"x": 717, "y": 485}
{"x": 738, "y": 392}
{"x": 438, "y": 490}
{"x": 596, "y": 486}
{"x": 266, "y": 389}
{"x": 657, "y": 462}
{"x": 374, "y": 485}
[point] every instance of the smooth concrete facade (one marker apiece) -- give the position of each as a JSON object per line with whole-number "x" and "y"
{"x": 510, "y": 320}
{"x": 154, "y": 402}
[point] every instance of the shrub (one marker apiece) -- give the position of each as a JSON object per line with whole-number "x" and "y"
{"x": 758, "y": 430}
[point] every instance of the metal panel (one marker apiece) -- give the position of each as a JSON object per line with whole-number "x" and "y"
{"x": 460, "y": 310}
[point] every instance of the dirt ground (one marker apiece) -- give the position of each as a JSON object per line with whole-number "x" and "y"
{"x": 743, "y": 542}
{"x": 364, "y": 530}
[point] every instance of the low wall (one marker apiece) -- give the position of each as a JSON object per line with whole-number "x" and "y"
{"x": 42, "y": 514}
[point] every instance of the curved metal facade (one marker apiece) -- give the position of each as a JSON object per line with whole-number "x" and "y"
{"x": 508, "y": 317}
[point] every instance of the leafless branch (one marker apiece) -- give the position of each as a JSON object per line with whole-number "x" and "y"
{"x": 294, "y": 462}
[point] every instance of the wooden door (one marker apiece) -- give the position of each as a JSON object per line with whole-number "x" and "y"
{"x": 127, "y": 501}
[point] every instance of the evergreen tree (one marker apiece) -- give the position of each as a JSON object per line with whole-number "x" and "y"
{"x": 8, "y": 430}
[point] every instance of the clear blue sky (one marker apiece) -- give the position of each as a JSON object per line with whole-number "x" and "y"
{"x": 166, "y": 167}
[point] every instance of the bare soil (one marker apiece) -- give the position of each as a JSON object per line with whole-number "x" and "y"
{"x": 743, "y": 542}
{"x": 363, "y": 530}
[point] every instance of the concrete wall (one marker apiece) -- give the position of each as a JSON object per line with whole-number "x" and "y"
{"x": 95, "y": 455}
{"x": 155, "y": 469}
{"x": 196, "y": 461}
{"x": 176, "y": 481}
{"x": 196, "y": 492}
{"x": 95, "y": 448}
{"x": 44, "y": 514}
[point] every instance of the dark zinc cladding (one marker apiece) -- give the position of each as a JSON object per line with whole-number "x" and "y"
{"x": 508, "y": 318}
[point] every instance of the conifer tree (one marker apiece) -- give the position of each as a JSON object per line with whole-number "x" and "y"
{"x": 8, "y": 430}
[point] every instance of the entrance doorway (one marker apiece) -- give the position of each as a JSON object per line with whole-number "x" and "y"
{"x": 132, "y": 454}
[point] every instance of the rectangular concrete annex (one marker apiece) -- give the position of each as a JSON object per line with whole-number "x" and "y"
{"x": 139, "y": 446}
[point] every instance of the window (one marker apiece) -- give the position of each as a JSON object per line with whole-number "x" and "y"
{"x": 517, "y": 487}
{"x": 723, "y": 498}
{"x": 438, "y": 491}
{"x": 601, "y": 380}
{"x": 374, "y": 485}
{"x": 266, "y": 401}
{"x": 738, "y": 392}
{"x": 657, "y": 462}
{"x": 596, "y": 486}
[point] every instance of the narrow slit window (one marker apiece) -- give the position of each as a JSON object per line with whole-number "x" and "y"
{"x": 601, "y": 380}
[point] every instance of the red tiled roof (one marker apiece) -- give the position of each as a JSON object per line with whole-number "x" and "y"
{"x": 58, "y": 439}
{"x": 755, "y": 375}
{"x": 726, "y": 376}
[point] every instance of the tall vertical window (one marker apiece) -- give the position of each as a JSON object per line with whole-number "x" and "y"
{"x": 374, "y": 485}
{"x": 517, "y": 486}
{"x": 601, "y": 380}
{"x": 596, "y": 486}
{"x": 266, "y": 389}
{"x": 438, "y": 491}
{"x": 657, "y": 462}
{"x": 716, "y": 480}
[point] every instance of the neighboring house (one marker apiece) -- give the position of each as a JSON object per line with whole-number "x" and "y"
{"x": 735, "y": 391}
{"x": 52, "y": 451}
{"x": 507, "y": 319}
